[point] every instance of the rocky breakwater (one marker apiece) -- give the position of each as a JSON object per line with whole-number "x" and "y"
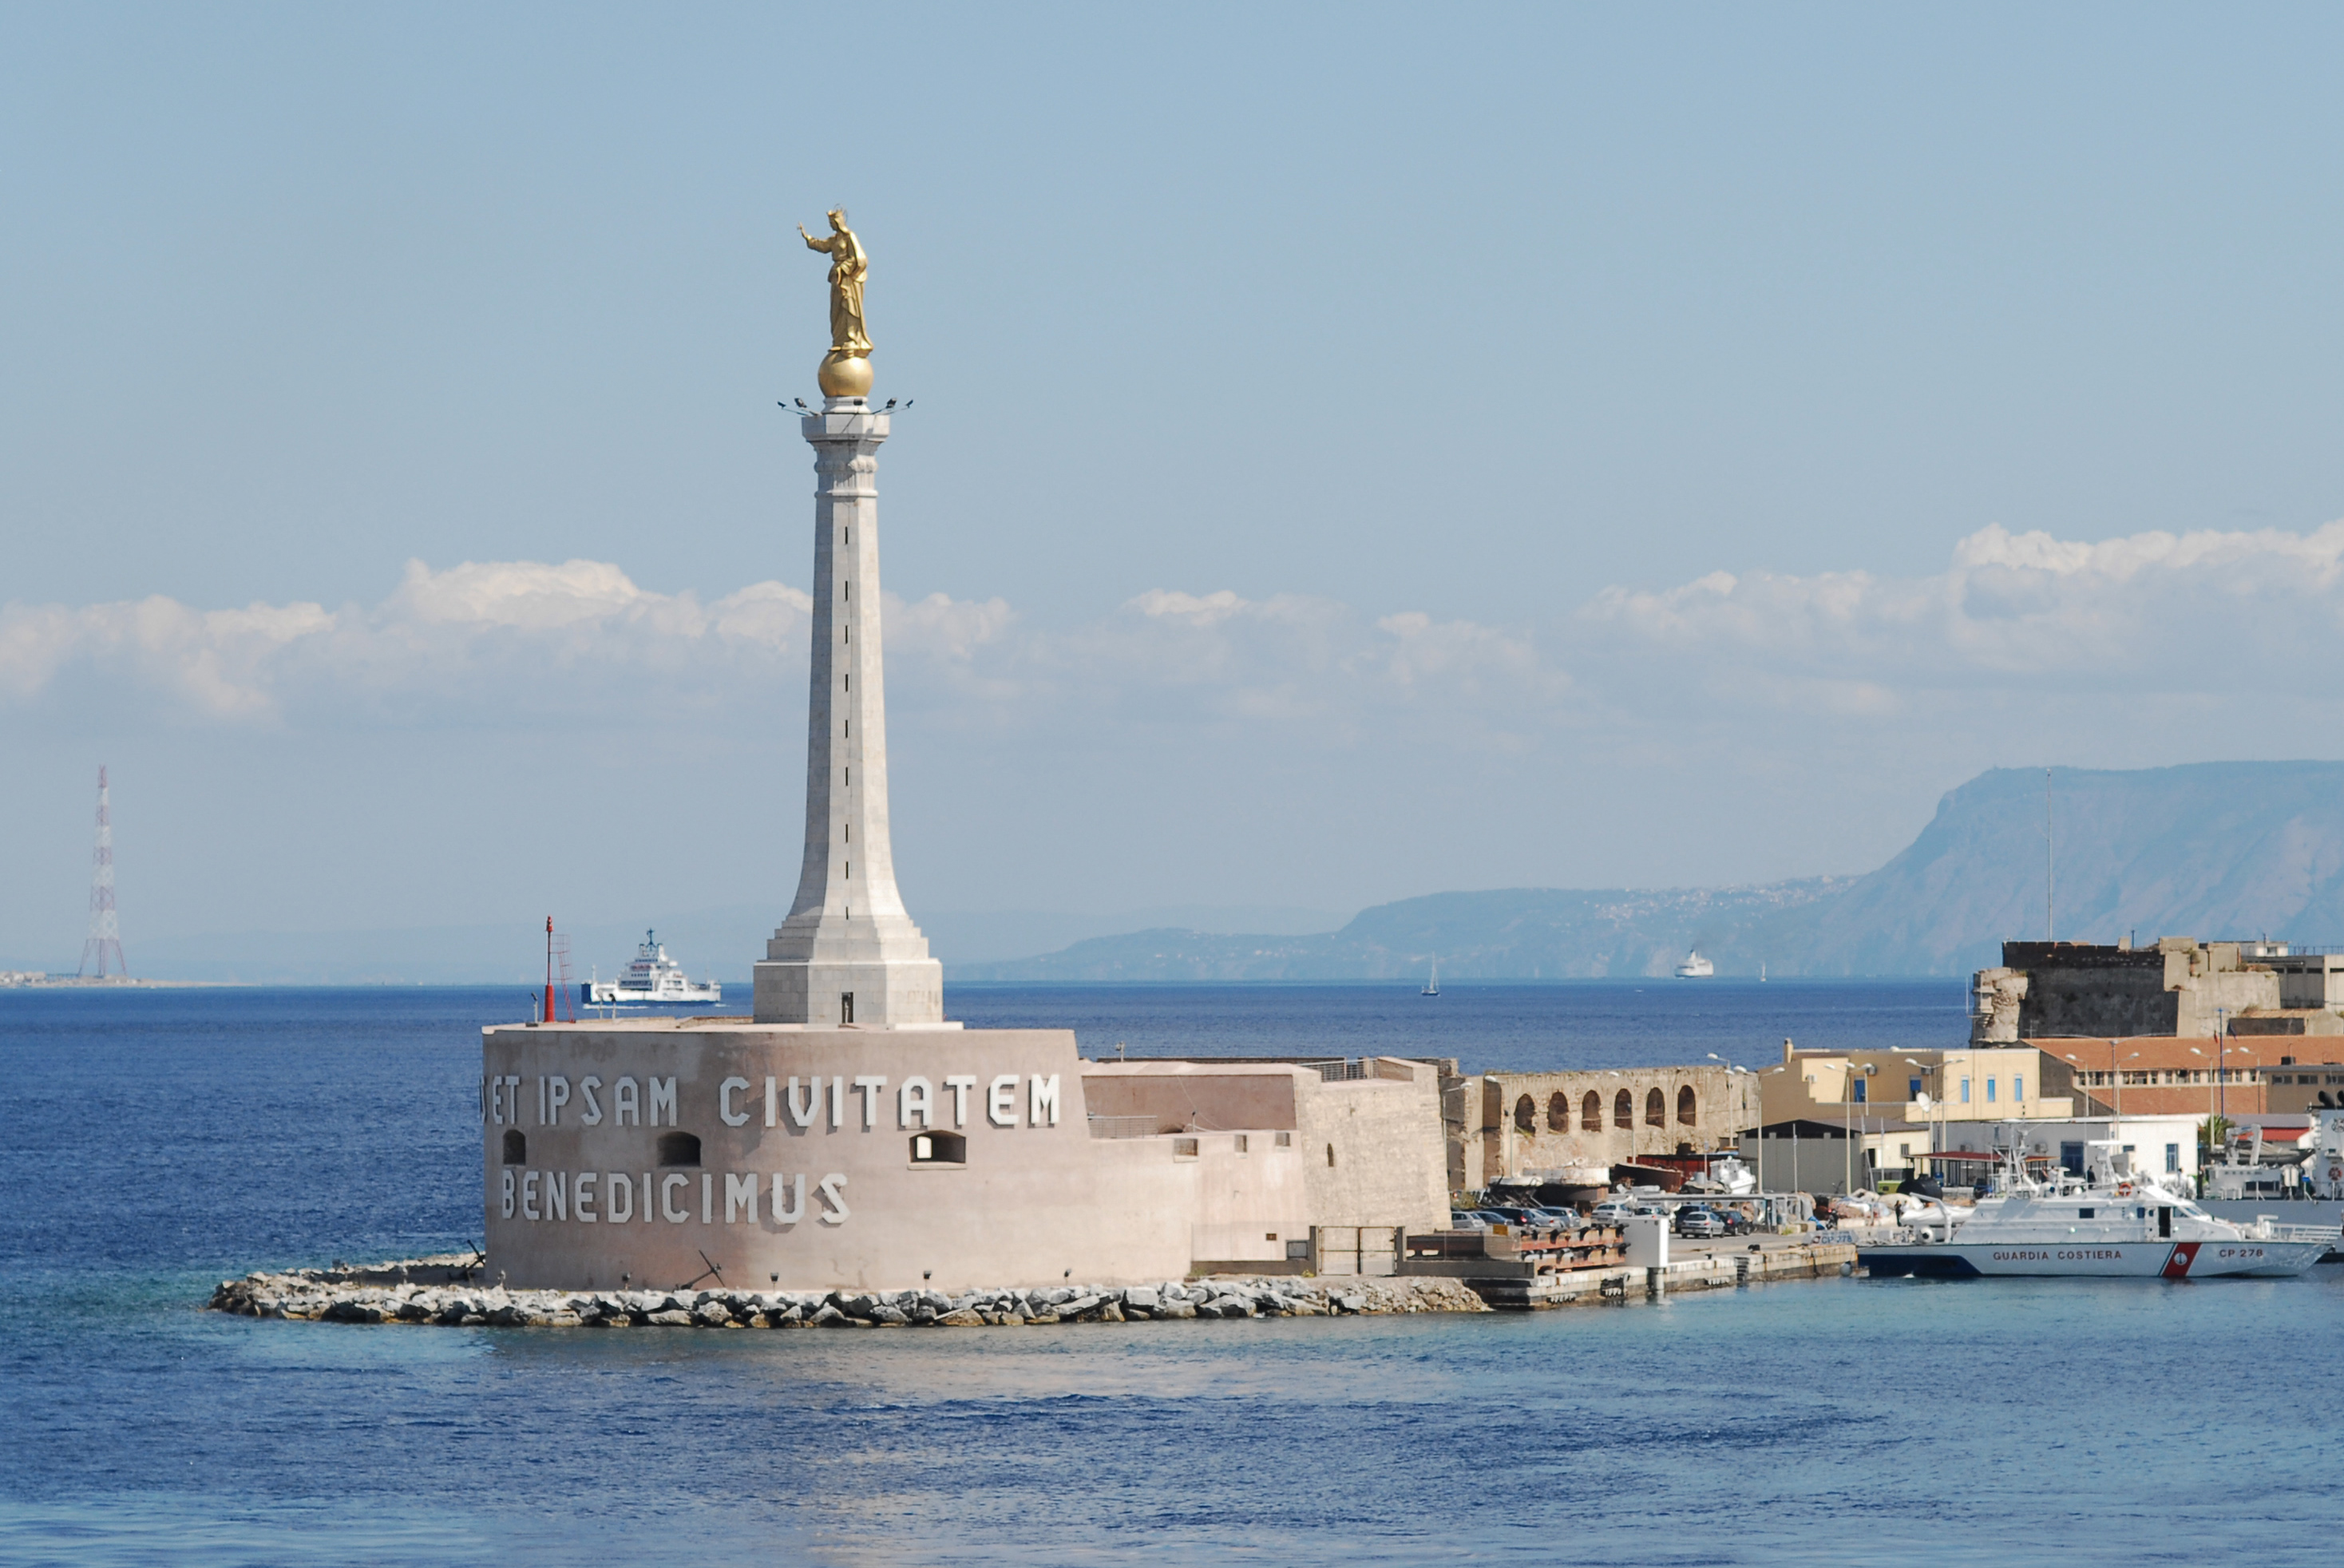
{"x": 390, "y": 1293}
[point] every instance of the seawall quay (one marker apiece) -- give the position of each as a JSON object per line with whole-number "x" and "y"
{"x": 448, "y": 1291}
{"x": 434, "y": 1291}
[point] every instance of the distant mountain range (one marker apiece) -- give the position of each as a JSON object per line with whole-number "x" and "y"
{"x": 2211, "y": 850}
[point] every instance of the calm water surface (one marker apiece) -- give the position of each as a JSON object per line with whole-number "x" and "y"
{"x": 152, "y": 1143}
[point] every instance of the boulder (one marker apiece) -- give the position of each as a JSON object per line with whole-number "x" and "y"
{"x": 961, "y": 1318}
{"x": 1075, "y": 1306}
{"x": 892, "y": 1316}
{"x": 669, "y": 1318}
{"x": 713, "y": 1313}
{"x": 1141, "y": 1296}
{"x": 1175, "y": 1309}
{"x": 828, "y": 1315}
{"x": 1110, "y": 1313}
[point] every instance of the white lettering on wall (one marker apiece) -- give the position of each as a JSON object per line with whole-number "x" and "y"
{"x": 647, "y": 1197}
{"x": 708, "y": 1198}
{"x": 794, "y": 1210}
{"x": 540, "y": 1100}
{"x": 484, "y": 1100}
{"x": 869, "y": 1088}
{"x": 592, "y": 1115}
{"x": 740, "y": 1192}
{"x": 724, "y": 1093}
{"x": 529, "y": 1195}
{"x": 558, "y": 1093}
{"x": 1042, "y": 1101}
{"x": 626, "y": 1104}
{"x": 583, "y": 1196}
{"x": 668, "y": 1210}
{"x": 509, "y": 1192}
{"x": 804, "y": 1115}
{"x": 557, "y": 1195}
{"x": 960, "y": 1084}
{"x": 1001, "y": 1104}
{"x": 772, "y": 1110}
{"x": 623, "y": 1198}
{"x": 663, "y": 1094}
{"x": 912, "y": 1100}
{"x": 837, "y": 1104}
{"x": 830, "y": 1186}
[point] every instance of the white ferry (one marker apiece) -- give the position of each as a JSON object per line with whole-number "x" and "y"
{"x": 2110, "y": 1223}
{"x": 652, "y": 979}
{"x": 1695, "y": 966}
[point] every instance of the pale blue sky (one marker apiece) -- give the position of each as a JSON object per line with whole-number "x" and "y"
{"x": 1474, "y": 315}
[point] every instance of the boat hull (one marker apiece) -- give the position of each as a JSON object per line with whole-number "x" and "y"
{"x": 2243, "y": 1260}
{"x": 607, "y": 995}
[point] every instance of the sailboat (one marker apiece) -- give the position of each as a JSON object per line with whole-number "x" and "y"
{"x": 1432, "y": 986}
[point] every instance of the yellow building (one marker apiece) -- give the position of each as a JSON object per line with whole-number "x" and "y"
{"x": 1835, "y": 1121}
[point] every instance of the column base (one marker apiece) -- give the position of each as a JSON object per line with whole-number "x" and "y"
{"x": 878, "y": 994}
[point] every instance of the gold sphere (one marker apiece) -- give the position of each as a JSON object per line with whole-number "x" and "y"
{"x": 845, "y": 378}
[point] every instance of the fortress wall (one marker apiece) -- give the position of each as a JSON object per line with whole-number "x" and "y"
{"x": 852, "y": 1207}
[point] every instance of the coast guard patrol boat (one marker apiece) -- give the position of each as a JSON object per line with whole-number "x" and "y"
{"x": 2109, "y": 1223}
{"x": 652, "y": 979}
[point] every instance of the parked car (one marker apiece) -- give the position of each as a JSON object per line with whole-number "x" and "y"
{"x": 1557, "y": 1218}
{"x": 1613, "y": 1211}
{"x": 1700, "y": 1222}
{"x": 1466, "y": 1219}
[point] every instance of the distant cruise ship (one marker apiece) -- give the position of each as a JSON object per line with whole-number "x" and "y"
{"x": 652, "y": 978}
{"x": 1695, "y": 966}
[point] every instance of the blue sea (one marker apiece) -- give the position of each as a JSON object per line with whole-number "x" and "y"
{"x": 154, "y": 1142}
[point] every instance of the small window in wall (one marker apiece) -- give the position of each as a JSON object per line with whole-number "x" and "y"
{"x": 1591, "y": 1113}
{"x": 1623, "y": 1110}
{"x": 847, "y": 1007}
{"x": 1912, "y": 1088}
{"x": 1688, "y": 1106}
{"x": 2173, "y": 1159}
{"x": 2018, "y": 1089}
{"x": 1285, "y": 1141}
{"x": 1965, "y": 1091}
{"x": 1857, "y": 1089}
{"x": 1656, "y": 1109}
{"x": 1558, "y": 1112}
{"x": 1184, "y": 1149}
{"x": 1989, "y": 1091}
{"x": 1525, "y": 1114}
{"x": 1241, "y": 1143}
{"x": 516, "y": 1146}
{"x": 939, "y": 1148}
{"x": 679, "y": 1148}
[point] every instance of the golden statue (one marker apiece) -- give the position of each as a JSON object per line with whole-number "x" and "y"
{"x": 846, "y": 368}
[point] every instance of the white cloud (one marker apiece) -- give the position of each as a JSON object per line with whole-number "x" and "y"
{"x": 514, "y": 641}
{"x": 2152, "y": 612}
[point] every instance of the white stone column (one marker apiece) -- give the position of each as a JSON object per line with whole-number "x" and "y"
{"x": 848, "y": 952}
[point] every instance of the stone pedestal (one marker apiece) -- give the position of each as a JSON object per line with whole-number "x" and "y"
{"x": 848, "y": 953}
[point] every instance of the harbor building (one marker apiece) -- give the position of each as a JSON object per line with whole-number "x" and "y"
{"x": 1837, "y": 1122}
{"x": 1575, "y": 1126}
{"x": 2181, "y": 986}
{"x": 2162, "y": 1075}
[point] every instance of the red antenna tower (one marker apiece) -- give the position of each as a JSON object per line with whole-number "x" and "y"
{"x": 558, "y": 1007}
{"x": 104, "y": 928}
